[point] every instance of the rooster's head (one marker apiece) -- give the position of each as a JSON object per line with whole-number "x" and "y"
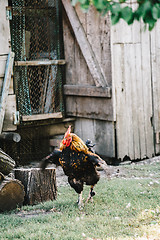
{"x": 67, "y": 138}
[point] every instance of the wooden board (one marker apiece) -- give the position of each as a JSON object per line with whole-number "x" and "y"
{"x": 4, "y": 29}
{"x": 5, "y": 88}
{"x": 37, "y": 117}
{"x": 147, "y": 91}
{"x": 8, "y": 124}
{"x": 90, "y": 91}
{"x": 155, "y": 53}
{"x": 3, "y": 59}
{"x": 40, "y": 62}
{"x": 89, "y": 107}
{"x": 99, "y": 132}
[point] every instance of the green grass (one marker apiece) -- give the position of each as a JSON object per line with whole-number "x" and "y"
{"x": 122, "y": 209}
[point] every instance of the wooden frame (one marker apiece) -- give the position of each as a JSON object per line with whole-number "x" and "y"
{"x": 40, "y": 62}
{"x": 41, "y": 116}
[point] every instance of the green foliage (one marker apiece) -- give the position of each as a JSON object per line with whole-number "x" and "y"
{"x": 147, "y": 10}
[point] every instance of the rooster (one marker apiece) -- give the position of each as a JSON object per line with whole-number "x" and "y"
{"x": 78, "y": 162}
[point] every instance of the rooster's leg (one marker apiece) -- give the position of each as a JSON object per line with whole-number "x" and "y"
{"x": 91, "y": 194}
{"x": 80, "y": 201}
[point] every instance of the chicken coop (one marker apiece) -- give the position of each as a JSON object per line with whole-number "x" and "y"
{"x": 61, "y": 66}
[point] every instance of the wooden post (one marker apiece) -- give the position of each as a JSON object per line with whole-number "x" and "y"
{"x": 5, "y": 90}
{"x": 39, "y": 186}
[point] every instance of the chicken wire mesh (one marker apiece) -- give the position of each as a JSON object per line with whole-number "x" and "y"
{"x": 36, "y": 36}
{"x": 34, "y": 145}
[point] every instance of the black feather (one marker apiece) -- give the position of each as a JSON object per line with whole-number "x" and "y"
{"x": 51, "y": 158}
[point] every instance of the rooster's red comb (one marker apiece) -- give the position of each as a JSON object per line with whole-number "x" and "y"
{"x": 68, "y": 132}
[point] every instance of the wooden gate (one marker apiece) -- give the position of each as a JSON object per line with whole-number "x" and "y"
{"x": 88, "y": 75}
{"x": 136, "y": 89}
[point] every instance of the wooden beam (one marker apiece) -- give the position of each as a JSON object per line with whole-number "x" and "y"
{"x": 84, "y": 45}
{"x": 87, "y": 91}
{"x": 40, "y": 62}
{"x": 37, "y": 117}
{"x": 6, "y": 84}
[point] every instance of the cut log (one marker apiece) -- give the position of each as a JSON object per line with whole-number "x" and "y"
{"x": 6, "y": 163}
{"x": 11, "y": 194}
{"x": 10, "y": 136}
{"x": 39, "y": 186}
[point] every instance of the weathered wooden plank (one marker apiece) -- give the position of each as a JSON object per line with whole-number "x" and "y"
{"x": 40, "y": 62}
{"x": 89, "y": 107}
{"x": 60, "y": 127}
{"x": 135, "y": 97}
{"x": 155, "y": 53}
{"x": 84, "y": 76}
{"x": 119, "y": 92}
{"x": 93, "y": 33}
{"x": 90, "y": 91}
{"x": 11, "y": 87}
{"x": 4, "y": 29}
{"x": 1, "y": 84}
{"x": 99, "y": 132}
{"x": 6, "y": 84}
{"x": 84, "y": 45}
{"x": 37, "y": 117}
{"x": 3, "y": 60}
{"x": 105, "y": 46}
{"x": 69, "y": 51}
{"x": 140, "y": 102}
{"x": 147, "y": 92}
{"x": 134, "y": 130}
{"x": 8, "y": 123}
{"x": 129, "y": 114}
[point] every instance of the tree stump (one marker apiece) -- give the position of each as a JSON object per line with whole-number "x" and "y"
{"x": 6, "y": 163}
{"x": 11, "y": 194}
{"x": 39, "y": 185}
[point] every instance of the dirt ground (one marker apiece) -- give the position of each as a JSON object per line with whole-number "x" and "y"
{"x": 127, "y": 169}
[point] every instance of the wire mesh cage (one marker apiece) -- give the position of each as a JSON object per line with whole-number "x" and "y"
{"x": 36, "y": 35}
{"x": 34, "y": 145}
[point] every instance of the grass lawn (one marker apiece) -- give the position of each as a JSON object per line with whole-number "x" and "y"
{"x": 123, "y": 209}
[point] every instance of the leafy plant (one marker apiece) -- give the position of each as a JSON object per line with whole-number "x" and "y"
{"x": 147, "y": 10}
